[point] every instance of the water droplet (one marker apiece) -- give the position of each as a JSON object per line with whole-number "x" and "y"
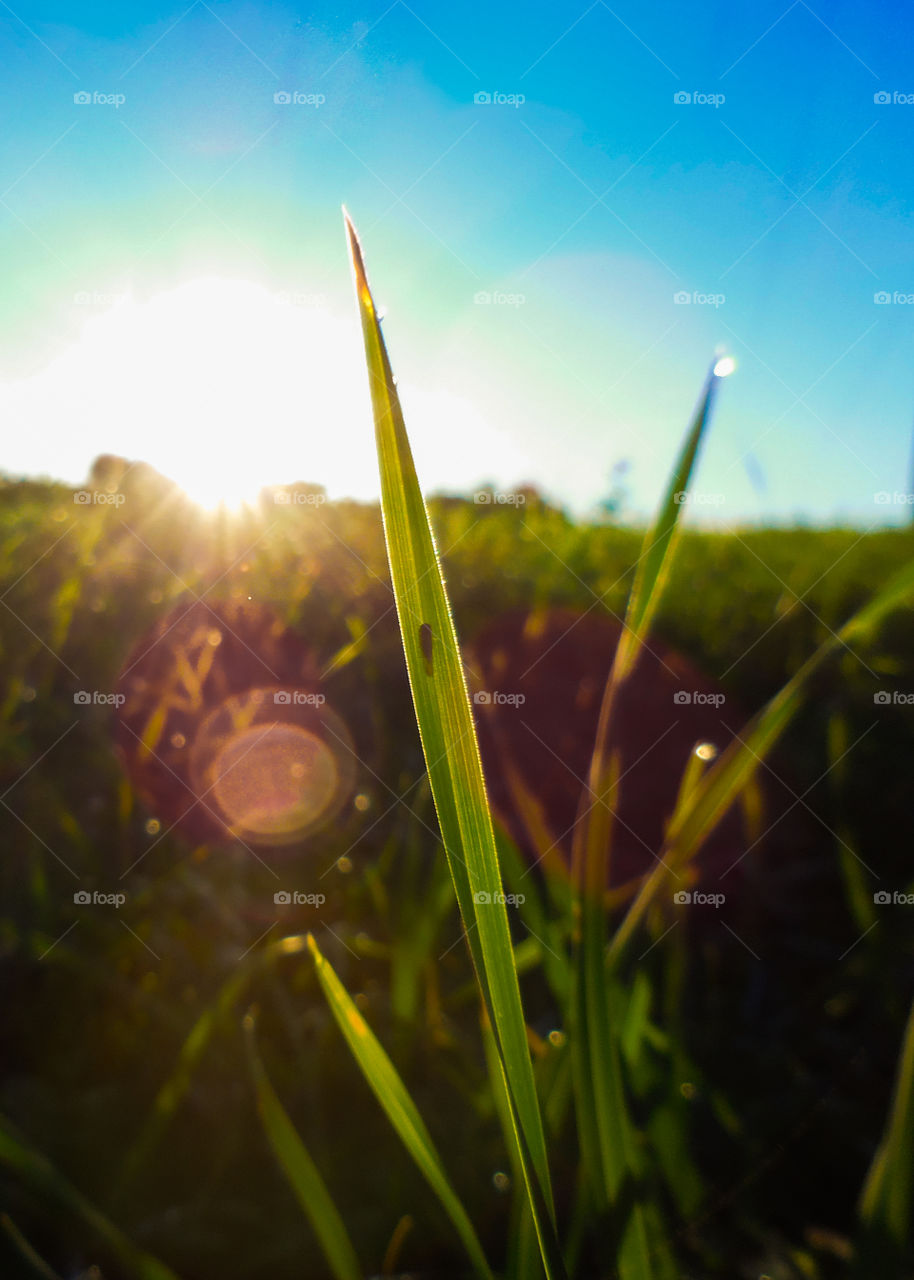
{"x": 344, "y": 864}
{"x": 500, "y": 1181}
{"x": 724, "y": 367}
{"x": 153, "y": 827}
{"x": 362, "y": 802}
{"x": 706, "y": 751}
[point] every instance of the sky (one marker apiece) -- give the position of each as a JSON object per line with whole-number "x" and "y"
{"x": 566, "y": 213}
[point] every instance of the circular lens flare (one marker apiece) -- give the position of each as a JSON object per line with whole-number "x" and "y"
{"x": 275, "y": 770}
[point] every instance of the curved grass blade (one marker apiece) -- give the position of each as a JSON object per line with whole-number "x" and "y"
{"x": 704, "y": 806}
{"x": 653, "y": 569}
{"x": 40, "y": 1175}
{"x": 173, "y": 1091}
{"x": 886, "y": 1202}
{"x": 452, "y": 755}
{"x": 399, "y": 1107}
{"x": 301, "y": 1172}
{"x": 29, "y": 1256}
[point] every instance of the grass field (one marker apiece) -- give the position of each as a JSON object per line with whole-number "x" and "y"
{"x": 762, "y": 1055}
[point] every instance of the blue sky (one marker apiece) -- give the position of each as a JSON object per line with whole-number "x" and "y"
{"x": 629, "y": 156}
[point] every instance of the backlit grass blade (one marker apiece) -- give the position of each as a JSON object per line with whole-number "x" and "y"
{"x": 704, "y": 806}
{"x": 451, "y": 752}
{"x": 399, "y": 1107}
{"x": 37, "y": 1172}
{"x": 301, "y": 1171}
{"x": 888, "y": 1194}
{"x": 610, "y": 1150}
{"x": 176, "y": 1086}
{"x": 656, "y": 558}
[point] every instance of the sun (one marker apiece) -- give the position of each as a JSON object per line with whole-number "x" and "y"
{"x": 231, "y": 387}
{"x": 226, "y": 387}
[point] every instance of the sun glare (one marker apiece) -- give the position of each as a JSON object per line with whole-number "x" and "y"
{"x": 226, "y": 387}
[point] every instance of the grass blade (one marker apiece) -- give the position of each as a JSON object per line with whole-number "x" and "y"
{"x": 399, "y": 1107}
{"x": 301, "y": 1171}
{"x": 40, "y": 1175}
{"x": 452, "y": 755}
{"x": 885, "y": 1204}
{"x": 656, "y": 558}
{"x": 704, "y": 806}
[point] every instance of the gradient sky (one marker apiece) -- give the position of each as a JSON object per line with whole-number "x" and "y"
{"x": 176, "y": 286}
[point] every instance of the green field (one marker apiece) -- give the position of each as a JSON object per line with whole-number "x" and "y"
{"x": 760, "y": 1057}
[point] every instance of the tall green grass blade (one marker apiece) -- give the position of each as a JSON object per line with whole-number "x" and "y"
{"x": 707, "y": 802}
{"x": 32, "y": 1259}
{"x": 656, "y": 559}
{"x": 176, "y": 1086}
{"x": 301, "y": 1171}
{"x": 37, "y": 1172}
{"x": 888, "y": 1193}
{"x": 451, "y": 752}
{"x": 399, "y": 1107}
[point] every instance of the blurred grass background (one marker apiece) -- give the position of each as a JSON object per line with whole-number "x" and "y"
{"x": 784, "y": 1055}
